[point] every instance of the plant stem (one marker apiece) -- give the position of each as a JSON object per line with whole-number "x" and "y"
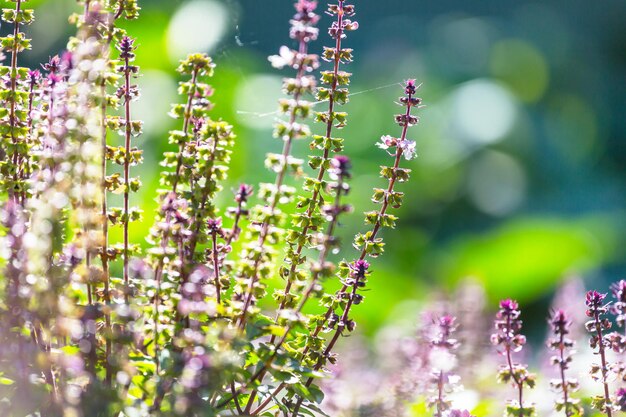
{"x": 607, "y": 395}
{"x": 127, "y": 150}
{"x": 204, "y": 200}
{"x": 509, "y": 362}
{"x": 377, "y": 225}
{"x": 322, "y": 168}
{"x": 562, "y": 366}
{"x": 216, "y": 267}
{"x": 375, "y": 230}
{"x": 307, "y": 293}
{"x": 165, "y": 239}
{"x": 265, "y": 226}
{"x": 104, "y": 256}
{"x": 25, "y": 169}
{"x": 235, "y": 227}
{"x": 440, "y": 410}
{"x": 12, "y": 115}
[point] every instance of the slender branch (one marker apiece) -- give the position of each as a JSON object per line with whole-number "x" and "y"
{"x": 235, "y": 397}
{"x": 165, "y": 238}
{"x": 34, "y": 78}
{"x": 375, "y": 229}
{"x": 363, "y": 254}
{"x": 234, "y": 231}
{"x": 13, "y": 103}
{"x": 104, "y": 255}
{"x": 322, "y": 168}
{"x": 562, "y": 367}
{"x": 127, "y": 155}
{"x": 204, "y": 200}
{"x": 216, "y": 267}
{"x": 603, "y": 361}
{"x": 265, "y": 226}
{"x": 439, "y": 412}
{"x": 260, "y": 373}
{"x": 509, "y": 361}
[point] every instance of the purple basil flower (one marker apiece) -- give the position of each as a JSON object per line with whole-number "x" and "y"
{"x": 53, "y": 65}
{"x": 620, "y": 396}
{"x": 594, "y": 301}
{"x": 243, "y": 193}
{"x": 34, "y": 77}
{"x": 214, "y": 226}
{"x": 408, "y": 148}
{"x": 442, "y": 360}
{"x": 509, "y": 339}
{"x": 596, "y": 310}
{"x": 302, "y": 23}
{"x": 126, "y": 47}
{"x": 336, "y": 30}
{"x": 53, "y": 79}
{"x": 197, "y": 123}
{"x": 306, "y": 11}
{"x": 359, "y": 268}
{"x": 447, "y": 325}
{"x": 386, "y": 142}
{"x": 340, "y": 166}
{"x": 410, "y": 87}
{"x": 618, "y": 307}
{"x": 66, "y": 63}
{"x": 560, "y": 325}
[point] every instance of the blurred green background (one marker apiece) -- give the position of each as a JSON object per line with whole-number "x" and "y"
{"x": 519, "y": 181}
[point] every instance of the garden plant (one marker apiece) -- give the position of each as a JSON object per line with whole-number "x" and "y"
{"x": 193, "y": 324}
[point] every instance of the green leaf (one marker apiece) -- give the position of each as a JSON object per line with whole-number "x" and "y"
{"x": 6, "y": 381}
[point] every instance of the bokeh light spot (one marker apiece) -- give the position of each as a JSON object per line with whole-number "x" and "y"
{"x": 197, "y": 26}
{"x": 496, "y": 183}
{"x": 158, "y": 89}
{"x": 482, "y": 111}
{"x": 522, "y": 67}
{"x": 256, "y": 99}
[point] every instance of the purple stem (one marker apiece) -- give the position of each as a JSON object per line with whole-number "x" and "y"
{"x": 302, "y": 51}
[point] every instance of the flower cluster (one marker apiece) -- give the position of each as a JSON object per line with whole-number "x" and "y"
{"x": 354, "y": 275}
{"x": 562, "y": 346}
{"x": 267, "y": 218}
{"x": 509, "y": 340}
{"x": 16, "y": 86}
{"x": 442, "y": 359}
{"x": 125, "y": 156}
{"x": 617, "y": 338}
{"x": 597, "y": 327}
{"x": 91, "y": 324}
{"x": 618, "y": 309}
{"x": 303, "y": 276}
{"x": 381, "y": 381}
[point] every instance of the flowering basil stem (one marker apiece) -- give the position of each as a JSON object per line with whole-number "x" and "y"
{"x": 600, "y": 341}
{"x": 96, "y": 325}
{"x": 93, "y": 324}
{"x": 508, "y": 339}
{"x": 562, "y": 346}
{"x": 442, "y": 357}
